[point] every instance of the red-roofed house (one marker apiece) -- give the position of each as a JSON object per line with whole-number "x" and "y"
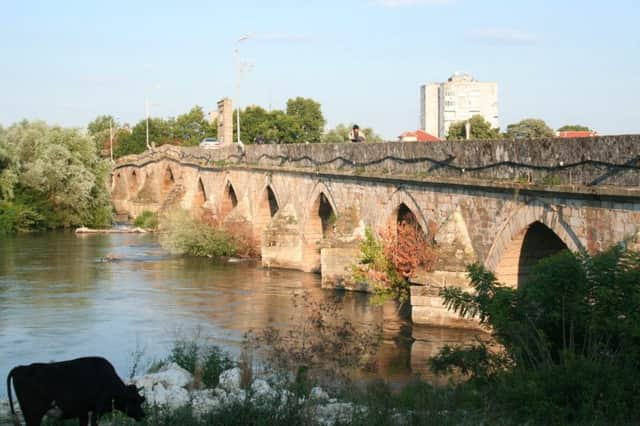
{"x": 418, "y": 136}
{"x": 577, "y": 134}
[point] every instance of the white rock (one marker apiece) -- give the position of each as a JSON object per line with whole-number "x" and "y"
{"x": 170, "y": 376}
{"x": 230, "y": 380}
{"x": 173, "y": 397}
{"x": 261, "y": 389}
{"x": 204, "y": 401}
{"x": 317, "y": 394}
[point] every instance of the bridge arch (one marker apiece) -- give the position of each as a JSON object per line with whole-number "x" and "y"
{"x": 267, "y": 205}
{"x": 168, "y": 182}
{"x": 200, "y": 196}
{"x": 229, "y": 199}
{"x": 532, "y": 233}
{"x": 395, "y": 210}
{"x": 321, "y": 212}
{"x": 132, "y": 184}
{"x": 119, "y": 191}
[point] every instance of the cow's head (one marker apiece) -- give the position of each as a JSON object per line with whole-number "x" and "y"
{"x": 130, "y": 402}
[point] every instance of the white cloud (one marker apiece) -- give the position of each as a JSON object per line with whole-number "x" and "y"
{"x": 503, "y": 36}
{"x": 404, "y": 3}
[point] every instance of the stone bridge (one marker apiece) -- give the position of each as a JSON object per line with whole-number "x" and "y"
{"x": 504, "y": 203}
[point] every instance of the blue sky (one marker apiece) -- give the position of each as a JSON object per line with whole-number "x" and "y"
{"x": 364, "y": 60}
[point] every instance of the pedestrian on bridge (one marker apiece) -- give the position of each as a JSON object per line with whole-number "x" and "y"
{"x": 355, "y": 135}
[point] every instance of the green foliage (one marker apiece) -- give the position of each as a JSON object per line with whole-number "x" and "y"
{"x": 378, "y": 271}
{"x": 147, "y": 220}
{"x": 551, "y": 179}
{"x": 570, "y": 334}
{"x": 185, "y": 235}
{"x": 341, "y": 134}
{"x": 101, "y": 129}
{"x": 186, "y": 129}
{"x": 529, "y": 128}
{"x": 202, "y": 359}
{"x": 55, "y": 174}
{"x": 574, "y": 127}
{"x": 192, "y": 127}
{"x": 480, "y": 129}
{"x": 16, "y": 217}
{"x": 308, "y": 118}
{"x": 213, "y": 361}
{"x": 302, "y": 122}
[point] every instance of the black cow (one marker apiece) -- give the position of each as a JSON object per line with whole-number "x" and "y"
{"x": 73, "y": 388}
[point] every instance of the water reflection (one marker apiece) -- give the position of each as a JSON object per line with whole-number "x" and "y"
{"x": 63, "y": 295}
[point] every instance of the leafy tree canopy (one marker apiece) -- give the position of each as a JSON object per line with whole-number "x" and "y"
{"x": 529, "y": 128}
{"x": 574, "y": 127}
{"x": 480, "y": 129}
{"x": 301, "y": 123}
{"x": 192, "y": 127}
{"x": 308, "y": 118}
{"x": 52, "y": 176}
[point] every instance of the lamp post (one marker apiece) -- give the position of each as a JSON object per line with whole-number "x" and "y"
{"x": 111, "y": 139}
{"x": 239, "y": 70}
{"x": 146, "y": 114}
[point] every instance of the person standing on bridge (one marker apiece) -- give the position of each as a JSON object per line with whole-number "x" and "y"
{"x": 355, "y": 135}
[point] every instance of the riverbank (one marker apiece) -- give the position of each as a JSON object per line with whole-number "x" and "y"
{"x": 174, "y": 396}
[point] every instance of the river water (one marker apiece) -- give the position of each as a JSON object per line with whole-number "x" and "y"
{"x": 60, "y": 299}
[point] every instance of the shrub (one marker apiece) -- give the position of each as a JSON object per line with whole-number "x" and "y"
{"x": 147, "y": 220}
{"x": 570, "y": 337}
{"x": 15, "y": 217}
{"x": 387, "y": 264}
{"x": 205, "y": 361}
{"x": 324, "y": 347}
{"x": 185, "y": 235}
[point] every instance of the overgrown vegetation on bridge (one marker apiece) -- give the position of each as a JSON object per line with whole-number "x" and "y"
{"x": 387, "y": 262}
{"x": 50, "y": 177}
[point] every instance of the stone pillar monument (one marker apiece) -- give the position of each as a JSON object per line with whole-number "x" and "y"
{"x": 225, "y": 122}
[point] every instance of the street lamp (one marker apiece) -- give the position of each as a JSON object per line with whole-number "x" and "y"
{"x": 111, "y": 139}
{"x": 146, "y": 112}
{"x": 239, "y": 69}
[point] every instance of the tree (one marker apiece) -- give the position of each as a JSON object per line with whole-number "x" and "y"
{"x": 529, "y": 128}
{"x": 308, "y": 118}
{"x": 341, "y": 134}
{"x": 480, "y": 129}
{"x": 257, "y": 122}
{"x": 53, "y": 177}
{"x": 100, "y": 131}
{"x": 192, "y": 127}
{"x": 574, "y": 127}
{"x": 160, "y": 133}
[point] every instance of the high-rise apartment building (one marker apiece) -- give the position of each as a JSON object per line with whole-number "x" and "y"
{"x": 458, "y": 99}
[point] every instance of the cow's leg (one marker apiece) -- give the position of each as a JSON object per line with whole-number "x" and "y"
{"x": 83, "y": 419}
{"x": 94, "y": 419}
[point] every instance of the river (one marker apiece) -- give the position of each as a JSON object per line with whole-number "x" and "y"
{"x": 60, "y": 299}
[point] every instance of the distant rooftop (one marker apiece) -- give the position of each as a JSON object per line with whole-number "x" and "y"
{"x": 461, "y": 76}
